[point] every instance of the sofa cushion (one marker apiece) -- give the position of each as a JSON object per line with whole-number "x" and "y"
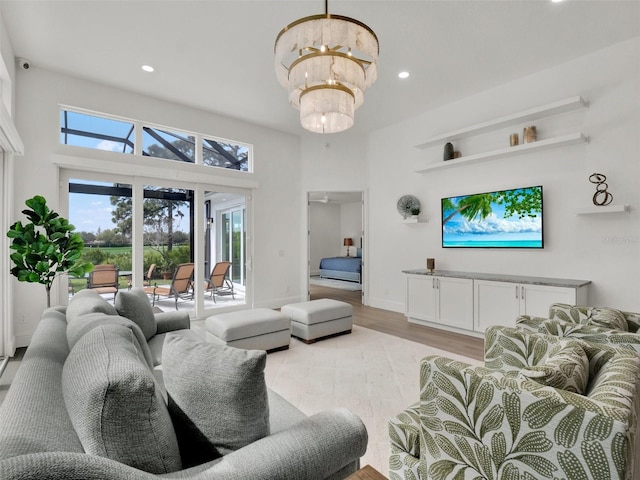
{"x": 566, "y": 368}
{"x": 135, "y": 306}
{"x": 114, "y": 403}
{"x": 83, "y": 324}
{"x": 88, "y": 301}
{"x": 217, "y": 396}
{"x": 597, "y": 316}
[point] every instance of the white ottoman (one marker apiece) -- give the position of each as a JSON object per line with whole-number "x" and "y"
{"x": 319, "y": 319}
{"x": 257, "y": 329}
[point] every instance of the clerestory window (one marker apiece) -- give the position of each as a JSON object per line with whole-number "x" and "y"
{"x": 118, "y": 135}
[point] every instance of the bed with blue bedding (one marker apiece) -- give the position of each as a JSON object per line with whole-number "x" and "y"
{"x": 341, "y": 268}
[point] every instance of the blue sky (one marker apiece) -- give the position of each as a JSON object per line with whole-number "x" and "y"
{"x": 88, "y": 212}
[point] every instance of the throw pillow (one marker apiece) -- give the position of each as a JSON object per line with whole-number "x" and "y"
{"x": 566, "y": 368}
{"x": 83, "y": 324}
{"x": 135, "y": 306}
{"x": 217, "y": 396}
{"x": 608, "y": 318}
{"x": 114, "y": 403}
{"x": 88, "y": 301}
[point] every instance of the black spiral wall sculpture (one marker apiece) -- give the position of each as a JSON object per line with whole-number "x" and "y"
{"x": 602, "y": 197}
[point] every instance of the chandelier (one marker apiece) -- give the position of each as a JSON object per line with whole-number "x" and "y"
{"x": 326, "y": 62}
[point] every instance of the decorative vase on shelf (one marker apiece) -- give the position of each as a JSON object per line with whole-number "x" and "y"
{"x": 448, "y": 152}
{"x": 529, "y": 134}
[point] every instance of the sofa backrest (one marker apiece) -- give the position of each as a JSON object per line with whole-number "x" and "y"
{"x": 33, "y": 415}
{"x": 511, "y": 349}
{"x": 598, "y": 316}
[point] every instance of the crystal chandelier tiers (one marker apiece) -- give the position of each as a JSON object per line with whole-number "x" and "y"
{"x": 326, "y": 62}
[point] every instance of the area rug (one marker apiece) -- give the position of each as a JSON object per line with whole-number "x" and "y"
{"x": 373, "y": 374}
{"x": 331, "y": 283}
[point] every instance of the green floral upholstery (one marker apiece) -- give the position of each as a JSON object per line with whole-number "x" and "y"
{"x": 567, "y": 369}
{"x": 569, "y": 321}
{"x": 404, "y": 432}
{"x": 601, "y": 317}
{"x": 489, "y": 423}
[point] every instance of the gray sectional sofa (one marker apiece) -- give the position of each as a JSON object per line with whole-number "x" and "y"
{"x": 65, "y": 415}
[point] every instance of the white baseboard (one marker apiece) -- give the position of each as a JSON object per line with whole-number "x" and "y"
{"x": 386, "y": 305}
{"x": 279, "y": 302}
{"x": 22, "y": 341}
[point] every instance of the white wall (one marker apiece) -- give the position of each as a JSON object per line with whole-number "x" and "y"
{"x": 276, "y": 257}
{"x": 350, "y": 225}
{"x": 330, "y": 224}
{"x": 324, "y": 225}
{"x": 602, "y": 248}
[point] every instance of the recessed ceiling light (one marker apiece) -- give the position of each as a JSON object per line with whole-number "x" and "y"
{"x": 403, "y": 74}
{"x": 556, "y": 1}
{"x": 147, "y": 68}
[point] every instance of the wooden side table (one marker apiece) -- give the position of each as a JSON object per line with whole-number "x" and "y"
{"x": 367, "y": 473}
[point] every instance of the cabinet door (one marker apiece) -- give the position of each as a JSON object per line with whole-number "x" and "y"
{"x": 455, "y": 302}
{"x": 536, "y": 299}
{"x": 496, "y": 303}
{"x": 421, "y": 297}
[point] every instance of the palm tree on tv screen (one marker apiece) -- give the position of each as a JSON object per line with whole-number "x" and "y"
{"x": 524, "y": 202}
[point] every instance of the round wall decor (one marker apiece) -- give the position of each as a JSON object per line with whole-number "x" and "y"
{"x": 406, "y": 203}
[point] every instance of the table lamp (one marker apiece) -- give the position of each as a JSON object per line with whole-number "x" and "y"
{"x": 347, "y": 243}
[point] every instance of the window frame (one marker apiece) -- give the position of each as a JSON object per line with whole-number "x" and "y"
{"x": 139, "y": 127}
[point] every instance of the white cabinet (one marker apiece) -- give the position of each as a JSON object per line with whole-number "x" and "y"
{"x": 500, "y": 303}
{"x": 420, "y": 302}
{"x": 446, "y": 301}
{"x": 471, "y": 302}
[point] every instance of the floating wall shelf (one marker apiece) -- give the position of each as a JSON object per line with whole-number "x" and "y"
{"x": 605, "y": 209}
{"x": 414, "y": 220}
{"x": 562, "y": 106}
{"x": 570, "y": 139}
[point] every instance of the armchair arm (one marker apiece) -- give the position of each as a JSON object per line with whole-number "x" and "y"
{"x": 487, "y": 424}
{"x": 404, "y": 434}
{"x": 170, "y": 321}
{"x": 324, "y": 446}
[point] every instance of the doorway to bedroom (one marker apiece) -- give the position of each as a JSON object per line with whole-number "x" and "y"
{"x": 336, "y": 243}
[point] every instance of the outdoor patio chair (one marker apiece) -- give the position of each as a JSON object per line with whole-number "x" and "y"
{"x": 181, "y": 286}
{"x": 147, "y": 276}
{"x": 104, "y": 279}
{"x": 219, "y": 283}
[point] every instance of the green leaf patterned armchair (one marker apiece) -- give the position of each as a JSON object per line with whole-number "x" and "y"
{"x": 497, "y": 422}
{"x": 601, "y": 325}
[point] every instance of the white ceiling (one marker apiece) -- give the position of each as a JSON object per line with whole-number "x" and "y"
{"x": 218, "y": 55}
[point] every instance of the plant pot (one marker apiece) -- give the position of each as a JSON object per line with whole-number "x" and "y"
{"x": 166, "y": 275}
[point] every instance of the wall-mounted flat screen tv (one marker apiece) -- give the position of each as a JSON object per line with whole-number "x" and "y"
{"x": 501, "y": 219}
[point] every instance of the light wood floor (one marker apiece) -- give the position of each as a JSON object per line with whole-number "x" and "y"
{"x": 394, "y": 323}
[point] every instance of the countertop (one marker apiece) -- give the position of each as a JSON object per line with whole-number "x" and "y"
{"x": 497, "y": 277}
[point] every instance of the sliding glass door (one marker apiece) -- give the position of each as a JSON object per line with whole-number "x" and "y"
{"x": 225, "y": 238}
{"x": 138, "y": 224}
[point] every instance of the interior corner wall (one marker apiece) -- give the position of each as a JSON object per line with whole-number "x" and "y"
{"x": 602, "y": 248}
{"x": 324, "y": 225}
{"x": 276, "y": 255}
{"x": 351, "y": 225}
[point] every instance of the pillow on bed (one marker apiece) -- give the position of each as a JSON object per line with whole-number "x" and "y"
{"x": 359, "y": 252}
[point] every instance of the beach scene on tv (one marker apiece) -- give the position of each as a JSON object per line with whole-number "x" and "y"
{"x": 506, "y": 218}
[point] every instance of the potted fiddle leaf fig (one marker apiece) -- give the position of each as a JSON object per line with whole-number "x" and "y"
{"x": 45, "y": 247}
